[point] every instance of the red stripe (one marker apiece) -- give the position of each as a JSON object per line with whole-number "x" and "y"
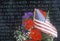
{"x": 44, "y": 28}
{"x": 44, "y": 31}
{"x": 45, "y": 25}
{"x": 51, "y": 25}
{"x": 42, "y": 12}
{"x": 47, "y": 29}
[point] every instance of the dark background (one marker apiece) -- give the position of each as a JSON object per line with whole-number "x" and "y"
{"x": 11, "y": 12}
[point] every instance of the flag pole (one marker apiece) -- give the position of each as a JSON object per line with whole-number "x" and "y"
{"x": 34, "y": 14}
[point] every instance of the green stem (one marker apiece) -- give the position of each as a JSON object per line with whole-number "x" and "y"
{"x": 51, "y": 38}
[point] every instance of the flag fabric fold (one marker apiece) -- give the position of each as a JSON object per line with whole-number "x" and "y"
{"x": 43, "y": 24}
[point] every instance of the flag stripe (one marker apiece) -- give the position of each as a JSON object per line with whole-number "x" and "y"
{"x": 46, "y": 31}
{"x": 42, "y": 12}
{"x": 45, "y": 27}
{"x": 41, "y": 29}
{"x": 48, "y": 22}
{"x": 45, "y": 24}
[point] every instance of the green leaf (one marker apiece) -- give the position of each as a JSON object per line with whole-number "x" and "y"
{"x": 47, "y": 37}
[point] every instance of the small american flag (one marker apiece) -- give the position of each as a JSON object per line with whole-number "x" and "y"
{"x": 42, "y": 23}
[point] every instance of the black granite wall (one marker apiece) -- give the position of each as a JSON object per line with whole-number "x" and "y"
{"x": 12, "y": 10}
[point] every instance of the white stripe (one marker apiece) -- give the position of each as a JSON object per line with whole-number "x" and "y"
{"x": 45, "y": 24}
{"x": 48, "y": 22}
{"x": 53, "y": 34}
{"x": 46, "y": 27}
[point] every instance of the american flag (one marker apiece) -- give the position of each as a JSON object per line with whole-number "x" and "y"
{"x": 42, "y": 23}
